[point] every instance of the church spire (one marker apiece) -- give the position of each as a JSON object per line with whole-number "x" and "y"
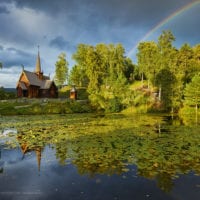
{"x": 38, "y": 65}
{"x": 38, "y": 152}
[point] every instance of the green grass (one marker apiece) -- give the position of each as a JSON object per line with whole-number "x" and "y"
{"x": 138, "y": 84}
{"x": 37, "y": 107}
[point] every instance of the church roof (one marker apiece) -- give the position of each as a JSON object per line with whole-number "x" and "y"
{"x": 46, "y": 84}
{"x": 35, "y": 81}
{"x": 32, "y": 78}
{"x": 22, "y": 85}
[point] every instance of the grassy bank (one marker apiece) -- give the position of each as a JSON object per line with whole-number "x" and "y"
{"x": 43, "y": 106}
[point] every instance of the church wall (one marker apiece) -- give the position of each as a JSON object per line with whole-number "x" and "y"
{"x": 44, "y": 93}
{"x": 33, "y": 91}
{"x": 19, "y": 92}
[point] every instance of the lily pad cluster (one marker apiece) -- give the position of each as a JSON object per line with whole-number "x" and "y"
{"x": 111, "y": 144}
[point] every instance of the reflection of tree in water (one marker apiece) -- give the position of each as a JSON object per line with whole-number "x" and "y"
{"x": 159, "y": 152}
{"x": 99, "y": 167}
{"x": 62, "y": 151}
{"x": 190, "y": 118}
{"x": 156, "y": 157}
{"x": 164, "y": 181}
{"x": 171, "y": 153}
{"x": 91, "y": 155}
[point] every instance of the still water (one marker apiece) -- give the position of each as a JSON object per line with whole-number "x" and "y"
{"x": 99, "y": 157}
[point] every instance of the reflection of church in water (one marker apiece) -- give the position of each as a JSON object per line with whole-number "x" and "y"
{"x": 38, "y": 152}
{"x": 19, "y": 155}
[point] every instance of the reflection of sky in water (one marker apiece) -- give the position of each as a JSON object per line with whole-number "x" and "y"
{"x": 99, "y": 168}
{"x": 22, "y": 180}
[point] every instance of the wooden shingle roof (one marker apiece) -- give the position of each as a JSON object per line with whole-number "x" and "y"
{"x": 33, "y": 80}
{"x": 22, "y": 85}
{"x": 46, "y": 84}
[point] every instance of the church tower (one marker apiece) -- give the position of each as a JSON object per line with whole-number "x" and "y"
{"x": 38, "y": 66}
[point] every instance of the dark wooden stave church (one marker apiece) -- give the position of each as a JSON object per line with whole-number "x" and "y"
{"x": 35, "y": 84}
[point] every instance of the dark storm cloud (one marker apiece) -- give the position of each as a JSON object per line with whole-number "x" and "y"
{"x": 111, "y": 12}
{"x": 60, "y": 43}
{"x": 13, "y": 32}
{"x": 93, "y": 16}
{"x": 3, "y": 10}
{"x": 48, "y": 6}
{"x": 18, "y": 52}
{"x": 61, "y": 25}
{"x": 96, "y": 20}
{"x": 105, "y": 20}
{"x": 16, "y": 57}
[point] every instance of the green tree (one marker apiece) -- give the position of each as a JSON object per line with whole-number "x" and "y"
{"x": 89, "y": 60}
{"x": 147, "y": 60}
{"x": 2, "y": 93}
{"x": 6, "y": 95}
{"x": 192, "y": 93}
{"x": 167, "y": 53}
{"x": 61, "y": 71}
{"x": 116, "y": 78}
{"x": 165, "y": 80}
{"x": 186, "y": 66}
{"x": 80, "y": 55}
{"x": 196, "y": 50}
{"x": 167, "y": 61}
{"x": 78, "y": 76}
{"x": 129, "y": 71}
{"x": 165, "y": 45}
{"x": 1, "y": 65}
{"x": 107, "y": 70}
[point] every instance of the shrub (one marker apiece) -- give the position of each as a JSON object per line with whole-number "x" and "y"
{"x": 114, "y": 105}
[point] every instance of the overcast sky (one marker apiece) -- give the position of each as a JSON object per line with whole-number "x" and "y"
{"x": 60, "y": 25}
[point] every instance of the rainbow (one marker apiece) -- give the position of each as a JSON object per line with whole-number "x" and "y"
{"x": 165, "y": 21}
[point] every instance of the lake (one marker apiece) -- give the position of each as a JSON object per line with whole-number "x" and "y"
{"x": 97, "y": 156}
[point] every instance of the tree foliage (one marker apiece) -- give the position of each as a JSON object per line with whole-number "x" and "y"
{"x": 6, "y": 94}
{"x": 78, "y": 76}
{"x": 165, "y": 80}
{"x": 168, "y": 68}
{"x": 107, "y": 70}
{"x": 106, "y": 73}
{"x": 192, "y": 92}
{"x": 61, "y": 71}
{"x": 147, "y": 59}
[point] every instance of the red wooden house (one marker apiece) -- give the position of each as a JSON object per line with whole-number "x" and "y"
{"x": 35, "y": 84}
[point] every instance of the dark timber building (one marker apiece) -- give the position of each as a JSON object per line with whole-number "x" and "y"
{"x": 35, "y": 84}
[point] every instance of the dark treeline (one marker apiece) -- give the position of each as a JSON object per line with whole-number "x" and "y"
{"x": 169, "y": 76}
{"x": 7, "y": 93}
